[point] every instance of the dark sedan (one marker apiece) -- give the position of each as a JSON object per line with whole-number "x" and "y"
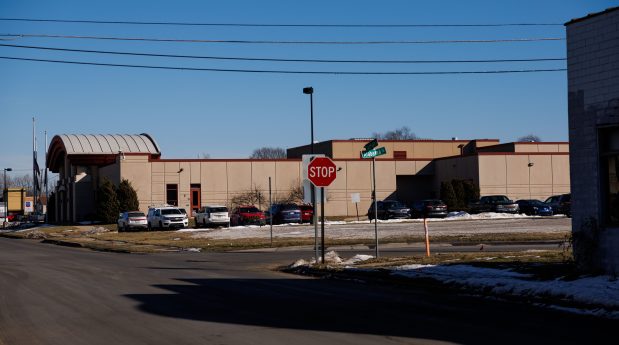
{"x": 284, "y": 213}
{"x": 429, "y": 208}
{"x": 389, "y": 209}
{"x": 532, "y": 207}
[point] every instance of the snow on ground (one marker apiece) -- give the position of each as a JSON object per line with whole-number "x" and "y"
{"x": 458, "y": 223}
{"x": 601, "y": 292}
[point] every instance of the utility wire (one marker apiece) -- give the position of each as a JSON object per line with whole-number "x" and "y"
{"x": 280, "y": 71}
{"x": 276, "y": 25}
{"x": 278, "y": 59}
{"x": 535, "y": 39}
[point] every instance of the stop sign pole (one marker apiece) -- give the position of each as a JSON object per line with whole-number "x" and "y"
{"x": 322, "y": 172}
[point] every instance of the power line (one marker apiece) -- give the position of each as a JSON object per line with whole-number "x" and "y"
{"x": 276, "y": 25}
{"x": 506, "y": 40}
{"x": 278, "y": 59}
{"x": 281, "y": 71}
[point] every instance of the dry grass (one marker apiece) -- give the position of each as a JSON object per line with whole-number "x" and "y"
{"x": 104, "y": 237}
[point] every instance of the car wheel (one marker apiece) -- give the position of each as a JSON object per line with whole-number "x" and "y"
{"x": 149, "y": 227}
{"x": 119, "y": 228}
{"x": 160, "y": 225}
{"x": 125, "y": 228}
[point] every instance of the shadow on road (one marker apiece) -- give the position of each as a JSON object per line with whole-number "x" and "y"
{"x": 341, "y": 306}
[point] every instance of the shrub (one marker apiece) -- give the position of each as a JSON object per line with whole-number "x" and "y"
{"x": 107, "y": 202}
{"x": 458, "y": 187}
{"x": 448, "y": 195}
{"x": 127, "y": 197}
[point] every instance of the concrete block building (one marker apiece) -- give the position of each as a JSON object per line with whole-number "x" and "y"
{"x": 593, "y": 96}
{"x": 411, "y": 170}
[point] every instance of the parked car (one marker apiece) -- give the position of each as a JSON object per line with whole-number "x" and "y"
{"x": 389, "y": 209}
{"x": 284, "y": 213}
{"x": 36, "y": 217}
{"x": 247, "y": 215}
{"x": 131, "y": 220}
{"x": 429, "y": 208}
{"x": 561, "y": 204}
{"x": 215, "y": 215}
{"x": 166, "y": 217}
{"x": 307, "y": 213}
{"x": 532, "y": 207}
{"x": 494, "y": 203}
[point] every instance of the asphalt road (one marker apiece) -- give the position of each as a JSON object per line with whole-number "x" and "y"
{"x": 58, "y": 295}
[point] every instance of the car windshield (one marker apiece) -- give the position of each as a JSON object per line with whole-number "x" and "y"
{"x": 394, "y": 204}
{"x": 135, "y": 214}
{"x": 218, "y": 209}
{"x": 551, "y": 199}
{"x": 498, "y": 198}
{"x": 249, "y": 210}
{"x": 567, "y": 197}
{"x": 289, "y": 207}
{"x": 532, "y": 202}
{"x": 169, "y": 211}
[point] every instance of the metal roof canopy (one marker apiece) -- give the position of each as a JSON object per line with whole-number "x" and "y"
{"x": 99, "y": 144}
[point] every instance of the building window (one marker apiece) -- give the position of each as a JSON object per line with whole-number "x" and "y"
{"x": 171, "y": 194}
{"x": 399, "y": 154}
{"x": 609, "y": 159}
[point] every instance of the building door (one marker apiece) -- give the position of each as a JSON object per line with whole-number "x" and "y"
{"x": 195, "y": 198}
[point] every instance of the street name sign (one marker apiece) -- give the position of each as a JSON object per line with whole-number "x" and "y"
{"x": 373, "y": 153}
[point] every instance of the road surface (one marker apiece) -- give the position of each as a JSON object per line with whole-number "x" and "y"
{"x": 58, "y": 295}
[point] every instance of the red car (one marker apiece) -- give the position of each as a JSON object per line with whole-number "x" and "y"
{"x": 307, "y": 212}
{"x": 247, "y": 215}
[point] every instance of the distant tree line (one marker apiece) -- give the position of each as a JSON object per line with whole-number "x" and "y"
{"x": 268, "y": 153}
{"x": 21, "y": 181}
{"x": 402, "y": 133}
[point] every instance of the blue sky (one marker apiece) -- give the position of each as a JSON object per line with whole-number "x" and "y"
{"x": 228, "y": 115}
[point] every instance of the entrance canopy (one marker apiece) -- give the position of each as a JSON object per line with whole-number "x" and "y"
{"x": 98, "y": 149}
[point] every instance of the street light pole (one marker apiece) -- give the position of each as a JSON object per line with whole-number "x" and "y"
{"x": 5, "y": 198}
{"x": 310, "y": 91}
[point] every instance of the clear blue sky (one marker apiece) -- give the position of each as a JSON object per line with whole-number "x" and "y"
{"x": 227, "y": 115}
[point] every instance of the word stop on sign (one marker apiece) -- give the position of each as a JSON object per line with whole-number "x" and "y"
{"x": 321, "y": 171}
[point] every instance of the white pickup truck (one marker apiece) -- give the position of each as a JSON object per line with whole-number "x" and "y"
{"x": 212, "y": 216}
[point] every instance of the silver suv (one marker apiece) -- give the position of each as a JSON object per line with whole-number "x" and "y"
{"x": 166, "y": 217}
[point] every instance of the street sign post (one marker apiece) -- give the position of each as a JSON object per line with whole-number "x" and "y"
{"x": 321, "y": 171}
{"x": 372, "y": 152}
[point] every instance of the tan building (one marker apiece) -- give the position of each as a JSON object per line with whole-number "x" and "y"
{"x": 411, "y": 169}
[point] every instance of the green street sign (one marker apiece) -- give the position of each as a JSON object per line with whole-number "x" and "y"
{"x": 373, "y": 153}
{"x": 372, "y": 144}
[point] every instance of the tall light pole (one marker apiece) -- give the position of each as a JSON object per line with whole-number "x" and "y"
{"x": 5, "y": 198}
{"x": 310, "y": 91}
{"x": 530, "y": 165}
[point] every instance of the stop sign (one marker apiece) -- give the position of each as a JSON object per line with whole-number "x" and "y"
{"x": 321, "y": 171}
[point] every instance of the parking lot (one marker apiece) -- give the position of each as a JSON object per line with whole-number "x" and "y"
{"x": 399, "y": 228}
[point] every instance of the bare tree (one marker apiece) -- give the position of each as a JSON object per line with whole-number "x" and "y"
{"x": 402, "y": 133}
{"x": 268, "y": 153}
{"x": 21, "y": 181}
{"x": 530, "y": 138}
{"x": 204, "y": 155}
